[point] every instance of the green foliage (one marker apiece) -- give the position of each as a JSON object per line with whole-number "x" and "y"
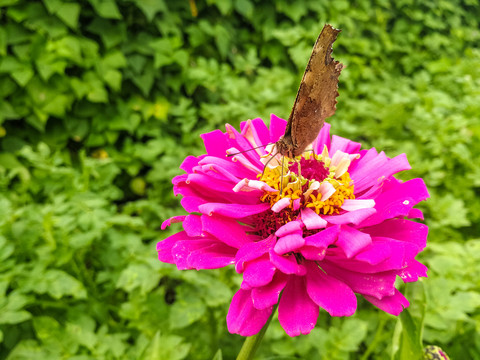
{"x": 100, "y": 100}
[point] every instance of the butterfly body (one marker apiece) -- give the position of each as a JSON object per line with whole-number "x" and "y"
{"x": 316, "y": 97}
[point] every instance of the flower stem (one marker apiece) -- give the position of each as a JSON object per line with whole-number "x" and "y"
{"x": 251, "y": 344}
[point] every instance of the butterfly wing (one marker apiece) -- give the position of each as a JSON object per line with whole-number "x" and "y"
{"x": 316, "y": 96}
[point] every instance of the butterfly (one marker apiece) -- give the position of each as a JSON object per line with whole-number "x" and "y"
{"x": 316, "y": 97}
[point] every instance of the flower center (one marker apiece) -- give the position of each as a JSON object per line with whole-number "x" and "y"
{"x": 316, "y": 181}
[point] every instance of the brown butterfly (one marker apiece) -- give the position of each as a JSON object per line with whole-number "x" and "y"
{"x": 316, "y": 97}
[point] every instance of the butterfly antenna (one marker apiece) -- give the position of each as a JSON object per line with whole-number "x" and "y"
{"x": 244, "y": 151}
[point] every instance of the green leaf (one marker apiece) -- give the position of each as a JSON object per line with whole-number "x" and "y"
{"x": 218, "y": 355}
{"x": 166, "y": 347}
{"x": 4, "y": 3}
{"x": 187, "y": 309}
{"x": 106, "y": 8}
{"x": 3, "y": 42}
{"x": 69, "y": 13}
{"x": 151, "y": 7}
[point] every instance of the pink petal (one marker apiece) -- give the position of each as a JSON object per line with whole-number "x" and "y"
{"x": 376, "y": 284}
{"x": 251, "y": 251}
{"x": 415, "y": 214}
{"x": 345, "y": 145}
{"x": 390, "y": 304}
{"x": 258, "y": 272}
{"x": 372, "y": 172}
{"x": 398, "y": 201}
{"x": 225, "y": 167}
{"x": 323, "y": 238}
{"x": 401, "y": 229}
{"x": 172, "y": 220}
{"x": 243, "y": 160}
{"x": 235, "y": 211}
{"x": 277, "y": 127}
{"x": 313, "y": 253}
{"x": 312, "y": 220}
{"x": 322, "y": 139}
{"x": 281, "y": 204}
{"x": 316, "y": 245}
{"x": 351, "y": 240}
{"x": 351, "y": 217}
{"x": 192, "y": 203}
{"x": 226, "y": 230}
{"x": 205, "y": 253}
{"x": 287, "y": 264}
{"x": 193, "y": 225}
{"x": 296, "y": 204}
{"x": 243, "y": 318}
{"x": 164, "y": 247}
{"x": 383, "y": 248}
{"x": 290, "y": 227}
{"x": 238, "y": 141}
{"x": 189, "y": 163}
{"x": 297, "y": 313}
{"x": 356, "y": 204}
{"x": 216, "y": 143}
{"x": 329, "y": 293}
{"x": 253, "y": 185}
{"x": 289, "y": 243}
{"x": 256, "y": 132}
{"x": 267, "y": 296}
{"x": 413, "y": 271}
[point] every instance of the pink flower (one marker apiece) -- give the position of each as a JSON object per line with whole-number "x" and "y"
{"x": 338, "y": 228}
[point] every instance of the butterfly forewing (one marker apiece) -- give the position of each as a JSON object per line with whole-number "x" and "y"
{"x": 316, "y": 96}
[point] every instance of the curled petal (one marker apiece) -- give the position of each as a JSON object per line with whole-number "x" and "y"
{"x": 172, "y": 220}
{"x": 413, "y": 271}
{"x": 253, "y": 185}
{"x": 202, "y": 254}
{"x": 290, "y": 227}
{"x": 243, "y": 318}
{"x": 289, "y": 242}
{"x": 352, "y": 240}
{"x": 327, "y": 190}
{"x": 281, "y": 204}
{"x": 312, "y": 220}
{"x": 356, "y": 204}
{"x": 390, "y": 304}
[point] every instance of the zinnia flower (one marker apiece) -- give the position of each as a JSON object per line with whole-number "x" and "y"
{"x": 338, "y": 227}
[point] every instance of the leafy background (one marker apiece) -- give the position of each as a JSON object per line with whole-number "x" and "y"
{"x": 100, "y": 101}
